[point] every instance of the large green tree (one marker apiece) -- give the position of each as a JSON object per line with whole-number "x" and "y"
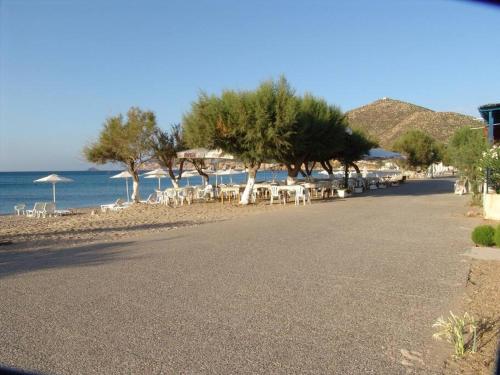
{"x": 421, "y": 149}
{"x": 250, "y": 125}
{"x": 316, "y": 133}
{"x": 465, "y": 151}
{"x": 125, "y": 141}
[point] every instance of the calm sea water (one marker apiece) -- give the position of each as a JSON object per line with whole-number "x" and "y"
{"x": 89, "y": 189}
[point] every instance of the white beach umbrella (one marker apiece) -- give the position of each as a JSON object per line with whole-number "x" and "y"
{"x": 157, "y": 173}
{"x": 203, "y": 153}
{"x": 126, "y": 175}
{"x": 194, "y": 173}
{"x": 53, "y": 179}
{"x": 381, "y": 154}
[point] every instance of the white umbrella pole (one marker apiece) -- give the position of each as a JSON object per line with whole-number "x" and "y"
{"x": 126, "y": 185}
{"x": 54, "y": 192}
{"x": 159, "y": 183}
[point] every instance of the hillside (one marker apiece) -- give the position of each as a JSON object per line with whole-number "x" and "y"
{"x": 387, "y": 119}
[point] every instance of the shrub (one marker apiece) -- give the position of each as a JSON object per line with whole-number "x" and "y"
{"x": 496, "y": 237}
{"x": 483, "y": 235}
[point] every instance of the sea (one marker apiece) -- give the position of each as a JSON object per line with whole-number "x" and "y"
{"x": 92, "y": 188}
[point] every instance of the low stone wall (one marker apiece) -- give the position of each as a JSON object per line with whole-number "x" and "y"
{"x": 491, "y": 206}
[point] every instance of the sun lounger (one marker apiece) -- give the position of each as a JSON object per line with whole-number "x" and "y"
{"x": 152, "y": 199}
{"x": 118, "y": 205}
{"x": 63, "y": 212}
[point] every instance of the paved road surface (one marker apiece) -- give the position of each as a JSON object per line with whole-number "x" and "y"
{"x": 344, "y": 287}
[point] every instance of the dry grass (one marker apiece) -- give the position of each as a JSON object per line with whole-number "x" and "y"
{"x": 482, "y": 301}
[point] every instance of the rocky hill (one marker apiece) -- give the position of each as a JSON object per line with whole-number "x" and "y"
{"x": 387, "y": 119}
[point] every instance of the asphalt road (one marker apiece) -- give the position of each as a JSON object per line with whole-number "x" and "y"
{"x": 344, "y": 287}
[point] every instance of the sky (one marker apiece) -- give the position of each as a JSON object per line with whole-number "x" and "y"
{"x": 67, "y": 65}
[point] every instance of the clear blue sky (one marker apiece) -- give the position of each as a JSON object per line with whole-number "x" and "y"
{"x": 67, "y": 65}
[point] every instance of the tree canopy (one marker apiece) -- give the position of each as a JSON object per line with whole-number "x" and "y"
{"x": 126, "y": 141}
{"x": 465, "y": 151}
{"x": 255, "y": 126}
{"x": 315, "y": 135}
{"x": 420, "y": 149}
{"x": 165, "y": 145}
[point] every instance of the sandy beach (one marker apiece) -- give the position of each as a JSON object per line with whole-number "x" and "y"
{"x": 88, "y": 225}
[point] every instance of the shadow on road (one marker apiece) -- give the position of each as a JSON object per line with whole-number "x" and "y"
{"x": 17, "y": 261}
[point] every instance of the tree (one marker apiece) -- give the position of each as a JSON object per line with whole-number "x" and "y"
{"x": 421, "y": 150}
{"x": 199, "y": 127}
{"x": 465, "y": 151}
{"x": 316, "y": 133}
{"x": 250, "y": 125}
{"x": 355, "y": 145}
{"x": 165, "y": 146}
{"x": 126, "y": 142}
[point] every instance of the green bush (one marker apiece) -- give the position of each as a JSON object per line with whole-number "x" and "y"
{"x": 483, "y": 235}
{"x": 496, "y": 237}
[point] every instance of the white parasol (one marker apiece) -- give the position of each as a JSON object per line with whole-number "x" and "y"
{"x": 53, "y": 179}
{"x": 126, "y": 175}
{"x": 157, "y": 173}
{"x": 194, "y": 173}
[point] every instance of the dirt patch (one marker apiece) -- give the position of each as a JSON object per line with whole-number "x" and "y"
{"x": 482, "y": 301}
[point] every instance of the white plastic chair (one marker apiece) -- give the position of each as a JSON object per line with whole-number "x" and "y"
{"x": 37, "y": 209}
{"x": 208, "y": 191}
{"x": 302, "y": 193}
{"x": 20, "y": 209}
{"x": 184, "y": 195}
{"x": 275, "y": 193}
{"x": 171, "y": 196}
{"x": 48, "y": 210}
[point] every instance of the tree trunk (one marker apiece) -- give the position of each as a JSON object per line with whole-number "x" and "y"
{"x": 309, "y": 168}
{"x": 328, "y": 167}
{"x": 198, "y": 165}
{"x": 293, "y": 171}
{"x": 135, "y": 187}
{"x": 346, "y": 175}
{"x": 356, "y": 168}
{"x": 247, "y": 193}
{"x": 175, "y": 179}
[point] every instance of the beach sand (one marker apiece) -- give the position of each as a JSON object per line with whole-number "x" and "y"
{"x": 88, "y": 225}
